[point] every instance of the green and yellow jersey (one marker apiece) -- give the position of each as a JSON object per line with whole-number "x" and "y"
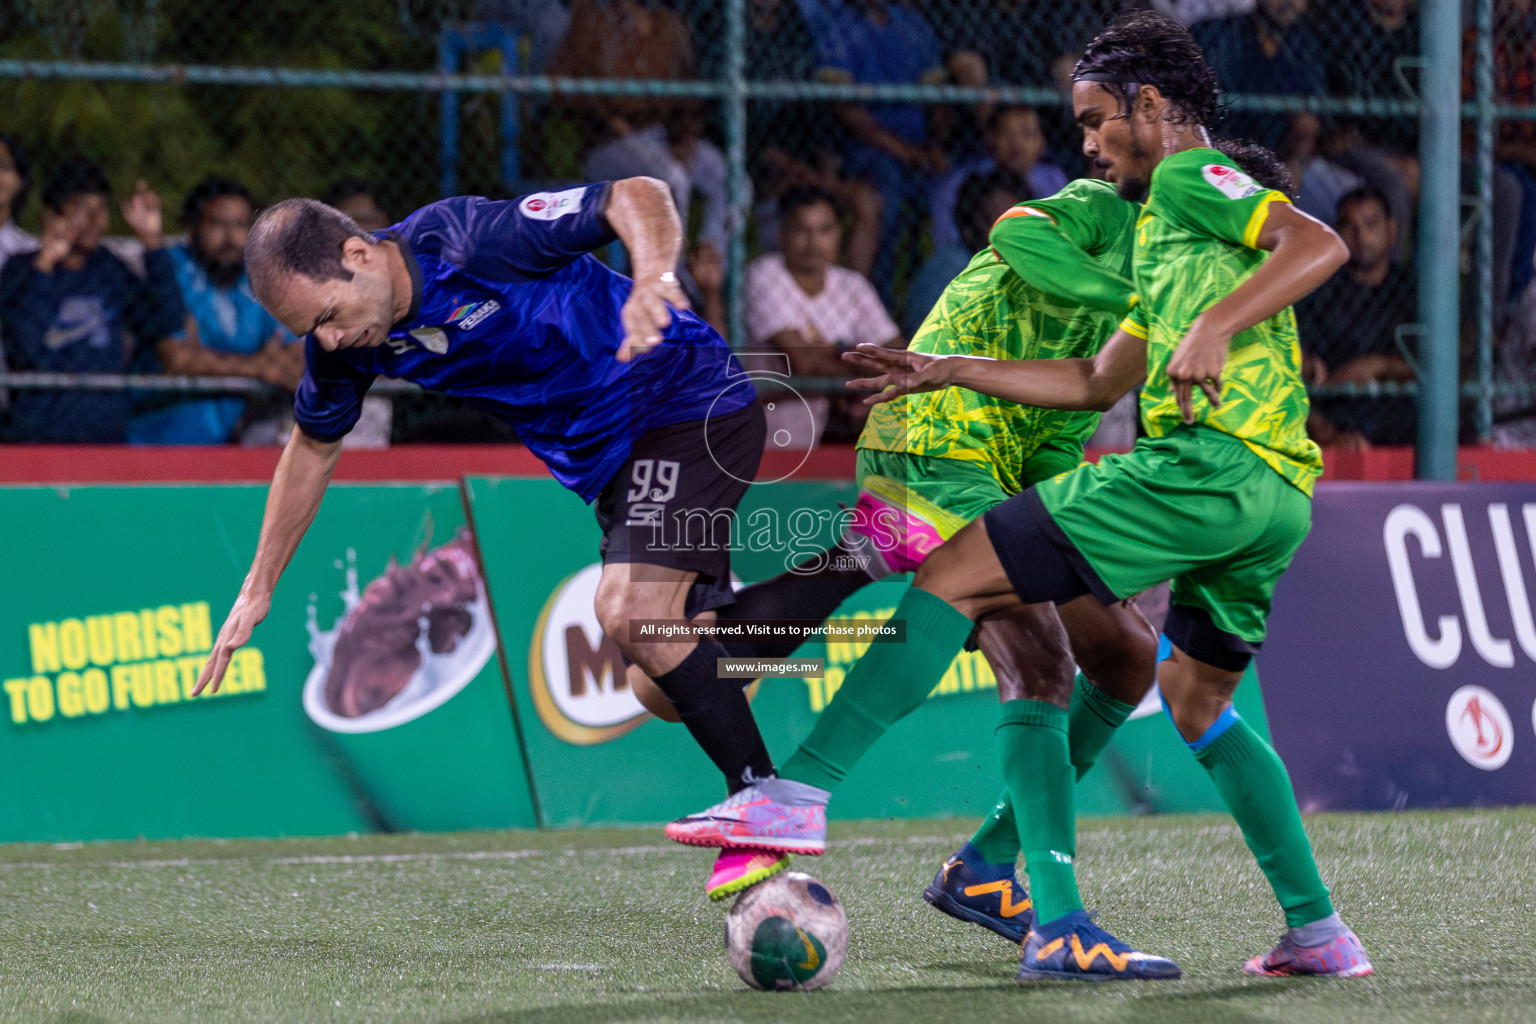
{"x": 1053, "y": 285}
{"x": 1196, "y": 241}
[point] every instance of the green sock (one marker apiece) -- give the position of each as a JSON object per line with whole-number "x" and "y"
{"x": 1252, "y": 782}
{"x": 997, "y": 838}
{"x": 1032, "y": 744}
{"x": 889, "y": 682}
{"x": 1094, "y": 718}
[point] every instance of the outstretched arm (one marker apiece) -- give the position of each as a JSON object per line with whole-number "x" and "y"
{"x": 1095, "y": 383}
{"x": 297, "y": 487}
{"x": 1304, "y": 253}
{"x": 643, "y": 215}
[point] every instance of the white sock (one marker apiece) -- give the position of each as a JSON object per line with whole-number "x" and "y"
{"x": 794, "y": 794}
{"x": 1318, "y": 932}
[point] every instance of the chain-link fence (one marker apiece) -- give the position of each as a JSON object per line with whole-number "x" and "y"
{"x": 839, "y": 162}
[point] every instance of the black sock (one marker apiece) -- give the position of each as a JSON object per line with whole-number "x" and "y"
{"x": 718, "y": 716}
{"x": 795, "y": 595}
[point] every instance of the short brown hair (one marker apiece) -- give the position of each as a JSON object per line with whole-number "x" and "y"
{"x": 299, "y": 236}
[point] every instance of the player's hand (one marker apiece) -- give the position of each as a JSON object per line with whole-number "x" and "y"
{"x": 247, "y": 613}
{"x": 142, "y": 212}
{"x": 60, "y": 231}
{"x": 645, "y": 314}
{"x": 1198, "y": 362}
{"x": 897, "y": 372}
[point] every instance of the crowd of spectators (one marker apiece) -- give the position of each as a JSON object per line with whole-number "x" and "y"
{"x": 862, "y": 211}
{"x": 71, "y": 303}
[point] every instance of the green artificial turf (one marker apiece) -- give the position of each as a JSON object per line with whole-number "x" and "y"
{"x": 582, "y": 927}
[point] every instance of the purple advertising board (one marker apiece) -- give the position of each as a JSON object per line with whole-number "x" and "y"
{"x": 1400, "y": 668}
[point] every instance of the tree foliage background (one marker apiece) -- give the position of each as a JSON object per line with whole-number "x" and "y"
{"x": 279, "y": 141}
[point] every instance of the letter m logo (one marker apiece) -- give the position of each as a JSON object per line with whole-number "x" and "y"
{"x": 604, "y": 663}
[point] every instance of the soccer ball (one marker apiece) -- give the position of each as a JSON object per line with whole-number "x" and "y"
{"x": 787, "y": 933}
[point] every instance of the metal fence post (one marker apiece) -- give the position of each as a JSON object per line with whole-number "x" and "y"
{"x": 450, "y": 48}
{"x": 736, "y": 169}
{"x": 1484, "y": 246}
{"x": 1439, "y": 234}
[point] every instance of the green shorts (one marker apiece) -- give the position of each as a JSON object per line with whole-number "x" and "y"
{"x": 960, "y": 486}
{"x": 1197, "y": 507}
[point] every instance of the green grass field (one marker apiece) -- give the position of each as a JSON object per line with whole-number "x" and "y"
{"x": 576, "y": 928}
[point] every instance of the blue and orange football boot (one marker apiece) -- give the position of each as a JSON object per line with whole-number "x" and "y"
{"x": 1342, "y": 957}
{"x": 1001, "y": 905}
{"x": 1074, "y": 948}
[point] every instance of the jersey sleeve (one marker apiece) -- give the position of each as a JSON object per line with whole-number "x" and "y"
{"x": 1135, "y": 321}
{"x": 535, "y": 234}
{"x": 330, "y": 395}
{"x": 1206, "y": 192}
{"x": 1051, "y": 243}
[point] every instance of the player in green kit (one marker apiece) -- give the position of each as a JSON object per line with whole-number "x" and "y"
{"x": 1215, "y": 498}
{"x": 1053, "y": 282}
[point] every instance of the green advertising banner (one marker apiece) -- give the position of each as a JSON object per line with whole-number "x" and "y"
{"x": 370, "y": 698}
{"x": 596, "y": 757}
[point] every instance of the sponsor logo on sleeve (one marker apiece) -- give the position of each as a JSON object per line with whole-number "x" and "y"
{"x": 1230, "y": 181}
{"x": 551, "y": 205}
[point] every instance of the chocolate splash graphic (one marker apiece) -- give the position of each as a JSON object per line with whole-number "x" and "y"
{"x": 379, "y": 645}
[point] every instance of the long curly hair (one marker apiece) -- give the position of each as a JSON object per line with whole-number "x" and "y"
{"x": 1145, "y": 48}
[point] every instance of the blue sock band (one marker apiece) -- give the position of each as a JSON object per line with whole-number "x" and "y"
{"x": 1226, "y": 720}
{"x": 984, "y": 870}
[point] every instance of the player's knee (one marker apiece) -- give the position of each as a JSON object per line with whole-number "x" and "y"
{"x": 943, "y": 575}
{"x": 619, "y": 602}
{"x": 611, "y": 607}
{"x": 1028, "y": 652}
{"x": 1192, "y": 717}
{"x": 1122, "y": 661}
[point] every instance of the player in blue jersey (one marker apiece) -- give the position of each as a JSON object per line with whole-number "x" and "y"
{"x": 631, "y": 400}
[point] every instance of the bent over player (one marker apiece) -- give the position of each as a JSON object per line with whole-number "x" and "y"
{"x": 501, "y": 304}
{"x": 1215, "y": 498}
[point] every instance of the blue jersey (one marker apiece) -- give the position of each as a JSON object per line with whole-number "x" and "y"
{"x": 512, "y": 314}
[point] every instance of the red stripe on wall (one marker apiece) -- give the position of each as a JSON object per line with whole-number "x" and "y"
{"x": 83, "y": 464}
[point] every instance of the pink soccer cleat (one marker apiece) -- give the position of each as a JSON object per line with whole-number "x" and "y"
{"x": 1342, "y": 957}
{"x": 751, "y": 820}
{"x": 897, "y": 528}
{"x": 736, "y": 870}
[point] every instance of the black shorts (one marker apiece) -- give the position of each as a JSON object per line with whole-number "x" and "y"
{"x": 673, "y": 503}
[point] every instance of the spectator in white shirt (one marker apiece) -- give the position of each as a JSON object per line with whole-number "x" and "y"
{"x": 15, "y": 182}
{"x": 803, "y": 311}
